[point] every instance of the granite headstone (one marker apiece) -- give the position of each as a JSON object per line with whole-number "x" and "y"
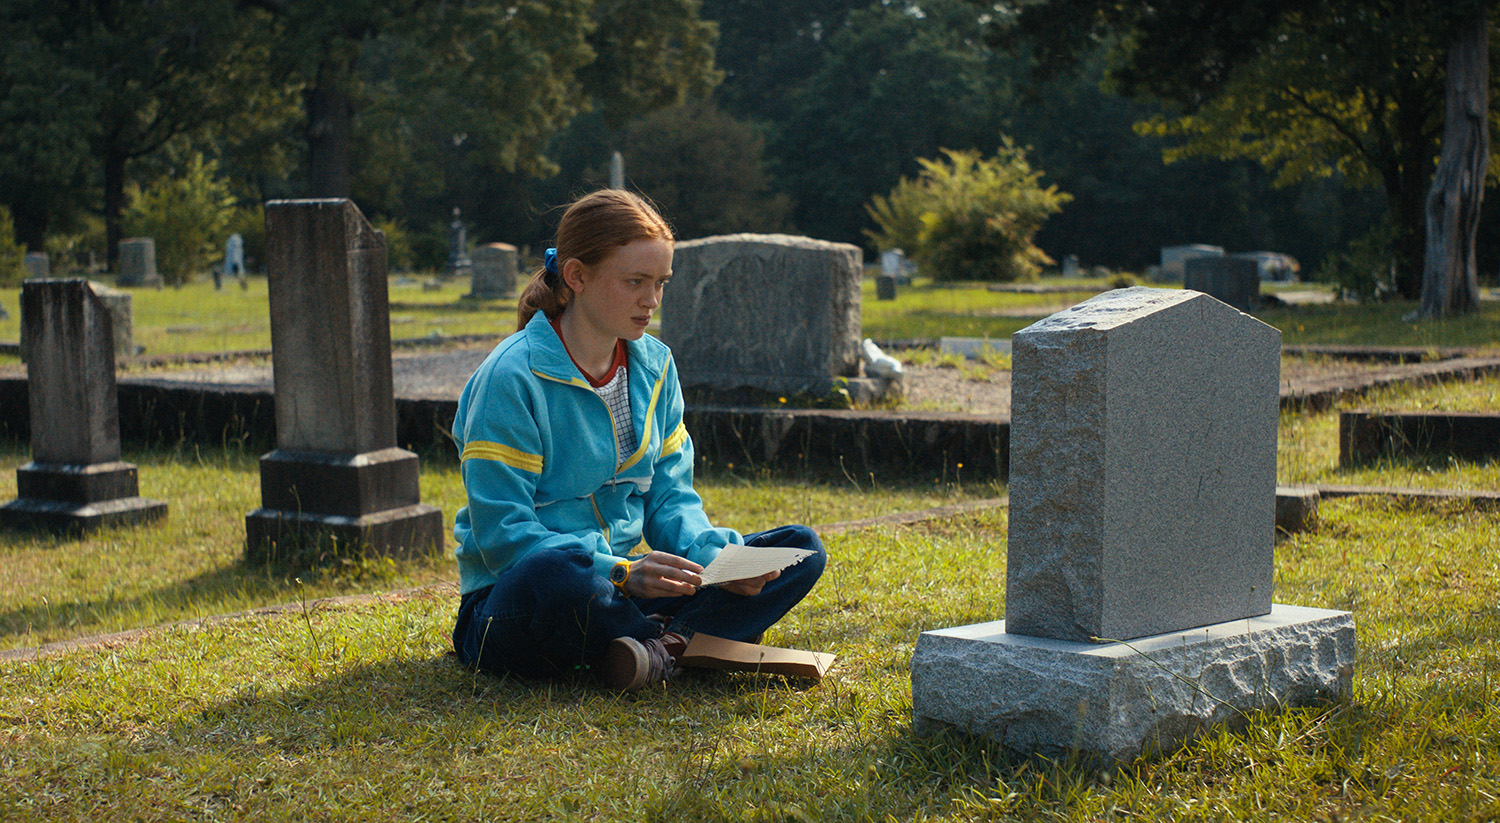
{"x": 493, "y": 272}
{"x": 1234, "y": 280}
{"x": 138, "y": 263}
{"x": 1140, "y": 553}
{"x": 764, "y": 311}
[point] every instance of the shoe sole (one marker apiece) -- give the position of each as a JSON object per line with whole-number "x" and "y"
{"x": 625, "y": 664}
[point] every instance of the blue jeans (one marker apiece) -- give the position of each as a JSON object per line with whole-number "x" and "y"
{"x": 551, "y": 613}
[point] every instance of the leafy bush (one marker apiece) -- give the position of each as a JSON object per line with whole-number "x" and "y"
{"x": 188, "y": 216}
{"x": 12, "y": 255}
{"x": 398, "y": 246}
{"x": 1365, "y": 271}
{"x": 968, "y": 217}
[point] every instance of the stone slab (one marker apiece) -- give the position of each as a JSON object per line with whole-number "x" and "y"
{"x": 493, "y": 272}
{"x": 69, "y": 517}
{"x": 764, "y": 311}
{"x": 304, "y": 538}
{"x": 351, "y": 485}
{"x": 1114, "y": 701}
{"x": 71, "y": 373}
{"x": 77, "y": 483}
{"x": 1142, "y": 467}
{"x": 1366, "y": 436}
{"x": 1296, "y": 509}
{"x": 138, "y": 263}
{"x": 1234, "y": 280}
{"x": 330, "y": 328}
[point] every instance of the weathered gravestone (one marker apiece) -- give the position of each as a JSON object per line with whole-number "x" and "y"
{"x": 885, "y": 287}
{"x": 75, "y": 480}
{"x": 38, "y": 264}
{"x": 1142, "y": 512}
{"x": 764, "y": 311}
{"x": 1174, "y": 259}
{"x": 458, "y": 247}
{"x": 138, "y": 263}
{"x": 336, "y": 483}
{"x": 493, "y": 272}
{"x": 1234, "y": 280}
{"x": 118, "y": 305}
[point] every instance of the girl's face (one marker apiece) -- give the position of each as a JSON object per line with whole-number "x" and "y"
{"x": 617, "y": 296}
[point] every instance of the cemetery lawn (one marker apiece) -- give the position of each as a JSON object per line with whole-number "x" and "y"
{"x": 359, "y": 713}
{"x": 191, "y": 565}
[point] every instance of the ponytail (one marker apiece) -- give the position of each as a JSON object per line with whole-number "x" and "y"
{"x": 546, "y": 293}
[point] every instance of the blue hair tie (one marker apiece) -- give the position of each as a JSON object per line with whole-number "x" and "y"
{"x": 549, "y": 261}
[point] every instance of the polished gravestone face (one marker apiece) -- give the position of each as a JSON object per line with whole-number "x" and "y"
{"x": 1234, "y": 280}
{"x": 769, "y": 312}
{"x": 1143, "y": 467}
{"x": 138, "y": 262}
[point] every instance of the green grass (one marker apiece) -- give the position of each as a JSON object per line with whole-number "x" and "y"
{"x": 360, "y": 714}
{"x": 190, "y": 566}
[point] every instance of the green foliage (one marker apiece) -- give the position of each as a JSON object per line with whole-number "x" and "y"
{"x": 12, "y": 254}
{"x": 1363, "y": 271}
{"x": 187, "y": 215}
{"x": 969, "y": 217}
{"x": 399, "y": 253}
{"x": 705, "y": 170}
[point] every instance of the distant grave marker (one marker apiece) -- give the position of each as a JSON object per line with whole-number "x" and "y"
{"x": 337, "y": 481}
{"x": 764, "y": 311}
{"x": 75, "y": 480}
{"x": 138, "y": 263}
{"x": 1233, "y": 280}
{"x": 493, "y": 270}
{"x": 1142, "y": 526}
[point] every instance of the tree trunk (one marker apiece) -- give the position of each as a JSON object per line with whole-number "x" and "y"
{"x": 329, "y": 112}
{"x": 114, "y": 204}
{"x": 1450, "y": 280}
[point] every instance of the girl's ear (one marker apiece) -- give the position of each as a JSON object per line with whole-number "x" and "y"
{"x": 572, "y": 274}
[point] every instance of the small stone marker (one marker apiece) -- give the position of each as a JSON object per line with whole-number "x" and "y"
{"x": 493, "y": 272}
{"x": 38, "y": 264}
{"x": 336, "y": 483}
{"x": 1070, "y": 266}
{"x": 458, "y": 247}
{"x": 1142, "y": 527}
{"x": 885, "y": 287}
{"x": 1234, "y": 280}
{"x": 75, "y": 480}
{"x": 1173, "y": 259}
{"x": 764, "y": 311}
{"x": 138, "y": 263}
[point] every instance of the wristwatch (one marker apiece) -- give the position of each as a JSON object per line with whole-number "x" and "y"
{"x": 619, "y": 574}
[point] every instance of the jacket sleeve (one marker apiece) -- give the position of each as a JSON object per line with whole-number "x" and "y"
{"x": 501, "y": 462}
{"x": 674, "y": 518}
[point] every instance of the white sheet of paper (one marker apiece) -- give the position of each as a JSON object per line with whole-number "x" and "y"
{"x": 737, "y": 562}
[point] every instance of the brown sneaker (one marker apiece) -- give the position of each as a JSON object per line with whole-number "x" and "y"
{"x": 631, "y": 664}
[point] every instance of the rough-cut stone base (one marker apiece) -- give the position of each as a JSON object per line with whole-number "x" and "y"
{"x": 305, "y": 538}
{"x": 33, "y": 514}
{"x": 1113, "y": 701}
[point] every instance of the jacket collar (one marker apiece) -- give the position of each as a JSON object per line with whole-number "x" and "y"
{"x": 549, "y": 357}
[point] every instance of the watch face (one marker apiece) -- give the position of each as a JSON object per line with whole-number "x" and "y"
{"x": 617, "y": 574}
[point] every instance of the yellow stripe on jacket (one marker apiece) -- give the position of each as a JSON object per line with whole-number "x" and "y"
{"x": 674, "y": 441}
{"x": 515, "y": 458}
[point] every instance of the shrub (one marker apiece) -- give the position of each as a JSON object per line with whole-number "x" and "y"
{"x": 12, "y": 255}
{"x": 967, "y": 217}
{"x": 188, "y": 216}
{"x": 1365, "y": 271}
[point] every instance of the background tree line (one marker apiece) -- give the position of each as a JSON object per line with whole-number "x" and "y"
{"x": 741, "y": 115}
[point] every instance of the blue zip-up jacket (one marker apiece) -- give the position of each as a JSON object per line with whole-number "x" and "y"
{"x": 540, "y": 463}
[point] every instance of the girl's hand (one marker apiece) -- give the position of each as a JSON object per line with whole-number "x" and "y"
{"x": 659, "y": 574}
{"x": 750, "y": 586}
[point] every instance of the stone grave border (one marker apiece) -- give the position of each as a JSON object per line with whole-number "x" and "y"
{"x": 926, "y": 444}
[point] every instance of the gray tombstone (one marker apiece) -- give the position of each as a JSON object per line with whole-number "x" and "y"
{"x": 1070, "y": 266}
{"x": 138, "y": 263}
{"x": 493, "y": 272}
{"x": 885, "y": 287}
{"x": 1140, "y": 555}
{"x": 1173, "y": 259}
{"x": 75, "y": 480}
{"x": 764, "y": 311}
{"x": 458, "y": 247}
{"x": 336, "y": 483}
{"x": 118, "y": 304}
{"x": 38, "y": 264}
{"x": 1234, "y": 280}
